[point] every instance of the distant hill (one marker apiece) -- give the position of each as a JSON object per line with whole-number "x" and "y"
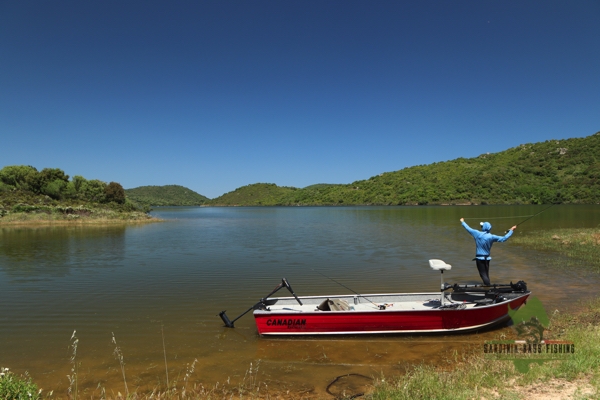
{"x": 322, "y": 185}
{"x": 169, "y": 195}
{"x": 554, "y": 171}
{"x": 257, "y": 194}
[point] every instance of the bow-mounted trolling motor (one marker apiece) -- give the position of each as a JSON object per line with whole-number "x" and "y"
{"x": 262, "y": 303}
{"x": 519, "y": 287}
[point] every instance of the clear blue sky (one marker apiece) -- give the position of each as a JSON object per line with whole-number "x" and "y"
{"x": 214, "y": 95}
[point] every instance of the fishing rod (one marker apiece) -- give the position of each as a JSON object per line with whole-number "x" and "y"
{"x": 380, "y": 306}
{"x": 550, "y": 206}
{"x": 525, "y": 220}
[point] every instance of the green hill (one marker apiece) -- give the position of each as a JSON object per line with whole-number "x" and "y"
{"x": 554, "y": 171}
{"x": 169, "y": 195}
{"x": 257, "y": 194}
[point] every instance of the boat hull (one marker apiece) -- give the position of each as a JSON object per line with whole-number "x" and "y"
{"x": 420, "y": 321}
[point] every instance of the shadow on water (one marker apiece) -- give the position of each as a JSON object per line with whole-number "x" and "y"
{"x": 173, "y": 278}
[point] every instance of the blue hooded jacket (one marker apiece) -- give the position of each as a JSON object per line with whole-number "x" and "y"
{"x": 484, "y": 239}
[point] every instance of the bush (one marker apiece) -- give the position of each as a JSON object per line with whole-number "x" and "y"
{"x": 17, "y": 387}
{"x": 115, "y": 192}
{"x": 24, "y": 208}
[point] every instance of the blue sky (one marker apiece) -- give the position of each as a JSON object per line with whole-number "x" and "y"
{"x": 214, "y": 95}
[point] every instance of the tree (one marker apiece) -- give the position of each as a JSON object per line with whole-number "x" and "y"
{"x": 94, "y": 191}
{"x": 54, "y": 189}
{"x": 16, "y": 175}
{"x": 115, "y": 192}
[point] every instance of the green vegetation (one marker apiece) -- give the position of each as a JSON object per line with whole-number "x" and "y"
{"x": 27, "y": 194}
{"x": 169, "y": 195}
{"x": 576, "y": 248}
{"x": 555, "y": 171}
{"x": 258, "y": 194}
{"x": 17, "y": 387}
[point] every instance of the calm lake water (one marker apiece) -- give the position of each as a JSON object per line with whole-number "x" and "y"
{"x": 169, "y": 280}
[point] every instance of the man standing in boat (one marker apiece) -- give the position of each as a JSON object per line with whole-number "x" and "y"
{"x": 483, "y": 242}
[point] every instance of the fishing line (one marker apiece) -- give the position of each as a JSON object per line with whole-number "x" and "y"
{"x": 342, "y": 285}
{"x": 492, "y": 218}
{"x": 528, "y": 216}
{"x": 525, "y": 220}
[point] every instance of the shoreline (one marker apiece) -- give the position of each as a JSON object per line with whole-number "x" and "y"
{"x": 85, "y": 221}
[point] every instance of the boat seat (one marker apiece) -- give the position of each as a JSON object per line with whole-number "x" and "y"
{"x": 439, "y": 265}
{"x": 334, "y": 305}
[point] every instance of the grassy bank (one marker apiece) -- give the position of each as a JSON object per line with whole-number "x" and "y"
{"x": 565, "y": 248}
{"x": 24, "y": 214}
{"x": 98, "y": 217}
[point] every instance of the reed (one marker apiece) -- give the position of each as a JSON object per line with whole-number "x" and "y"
{"x": 73, "y": 390}
{"x": 119, "y": 356}
{"x": 165, "y": 354}
{"x": 189, "y": 371}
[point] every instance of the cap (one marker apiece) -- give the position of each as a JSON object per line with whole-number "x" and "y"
{"x": 486, "y": 226}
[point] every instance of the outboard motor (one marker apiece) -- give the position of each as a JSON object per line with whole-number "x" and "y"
{"x": 520, "y": 286}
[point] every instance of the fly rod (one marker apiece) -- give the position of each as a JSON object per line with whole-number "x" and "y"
{"x": 380, "y": 306}
{"x": 527, "y": 219}
{"x": 550, "y": 206}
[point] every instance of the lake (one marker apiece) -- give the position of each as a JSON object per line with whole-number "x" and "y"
{"x": 159, "y": 288}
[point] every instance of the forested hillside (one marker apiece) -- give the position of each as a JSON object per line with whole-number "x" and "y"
{"x": 258, "y": 194}
{"x": 169, "y": 195}
{"x": 554, "y": 171}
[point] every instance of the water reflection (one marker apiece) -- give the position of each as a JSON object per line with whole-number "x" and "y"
{"x": 53, "y": 251}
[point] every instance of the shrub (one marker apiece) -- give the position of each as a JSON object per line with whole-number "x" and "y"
{"x": 17, "y": 387}
{"x": 115, "y": 192}
{"x": 25, "y": 208}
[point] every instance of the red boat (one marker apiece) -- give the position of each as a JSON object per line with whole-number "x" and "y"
{"x": 457, "y": 308}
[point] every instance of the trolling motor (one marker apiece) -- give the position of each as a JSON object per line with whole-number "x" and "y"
{"x": 262, "y": 303}
{"x": 520, "y": 286}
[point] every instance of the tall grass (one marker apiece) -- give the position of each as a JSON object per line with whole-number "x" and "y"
{"x": 119, "y": 356}
{"x": 72, "y": 391}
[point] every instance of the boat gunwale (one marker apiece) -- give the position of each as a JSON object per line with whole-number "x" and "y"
{"x": 314, "y": 312}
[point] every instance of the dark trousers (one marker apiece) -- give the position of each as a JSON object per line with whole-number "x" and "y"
{"x": 483, "y": 266}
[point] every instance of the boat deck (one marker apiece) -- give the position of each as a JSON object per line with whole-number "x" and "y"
{"x": 361, "y": 303}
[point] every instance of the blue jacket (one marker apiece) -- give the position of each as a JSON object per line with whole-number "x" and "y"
{"x": 484, "y": 240}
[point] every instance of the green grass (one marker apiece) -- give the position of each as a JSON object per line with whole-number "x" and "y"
{"x": 577, "y": 248}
